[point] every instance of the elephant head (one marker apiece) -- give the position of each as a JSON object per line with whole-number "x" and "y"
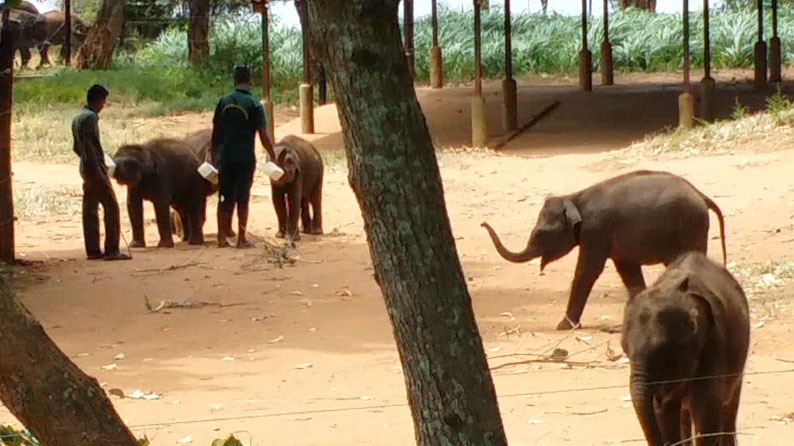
{"x": 555, "y": 234}
{"x": 289, "y": 161}
{"x": 665, "y": 329}
{"x": 133, "y": 163}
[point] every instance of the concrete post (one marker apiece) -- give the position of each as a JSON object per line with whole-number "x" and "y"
{"x": 307, "y": 108}
{"x": 479, "y": 123}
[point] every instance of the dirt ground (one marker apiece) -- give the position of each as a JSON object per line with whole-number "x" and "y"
{"x": 303, "y": 354}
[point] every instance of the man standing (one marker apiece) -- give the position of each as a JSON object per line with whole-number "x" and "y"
{"x": 238, "y": 117}
{"x": 96, "y": 184}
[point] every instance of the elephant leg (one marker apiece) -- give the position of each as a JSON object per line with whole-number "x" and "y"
{"x": 317, "y": 209}
{"x": 186, "y": 227}
{"x": 588, "y": 267}
{"x": 280, "y": 206}
{"x": 293, "y": 211}
{"x": 135, "y": 212}
{"x": 667, "y": 408}
{"x": 161, "y": 210}
{"x": 729, "y": 412}
{"x": 686, "y": 426}
{"x": 706, "y": 409}
{"x": 306, "y": 219}
{"x": 44, "y": 57}
{"x": 631, "y": 274}
{"x": 196, "y": 234}
{"x": 25, "y": 56}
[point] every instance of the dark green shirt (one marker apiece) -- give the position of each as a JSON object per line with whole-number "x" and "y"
{"x": 238, "y": 116}
{"x": 85, "y": 131}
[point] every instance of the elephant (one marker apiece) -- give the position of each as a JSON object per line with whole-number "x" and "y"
{"x": 638, "y": 218}
{"x": 687, "y": 337}
{"x": 28, "y": 30}
{"x": 163, "y": 171}
{"x": 300, "y": 187}
{"x": 56, "y": 34}
{"x": 199, "y": 142}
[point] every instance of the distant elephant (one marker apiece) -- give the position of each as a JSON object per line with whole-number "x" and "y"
{"x": 199, "y": 142}
{"x": 687, "y": 337}
{"x": 300, "y": 188}
{"x": 56, "y": 34}
{"x": 163, "y": 171}
{"x": 639, "y": 218}
{"x": 29, "y": 29}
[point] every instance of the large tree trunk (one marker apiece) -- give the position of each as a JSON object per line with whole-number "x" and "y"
{"x": 650, "y": 5}
{"x": 53, "y": 398}
{"x": 97, "y": 50}
{"x": 198, "y": 45}
{"x": 395, "y": 176}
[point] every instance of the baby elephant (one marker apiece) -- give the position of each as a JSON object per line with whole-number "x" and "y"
{"x": 687, "y": 337}
{"x": 639, "y": 218}
{"x": 300, "y": 187}
{"x": 163, "y": 171}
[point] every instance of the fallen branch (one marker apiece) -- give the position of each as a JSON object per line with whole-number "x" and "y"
{"x": 158, "y": 271}
{"x": 545, "y": 112}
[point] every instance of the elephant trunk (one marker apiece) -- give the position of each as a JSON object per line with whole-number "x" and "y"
{"x": 642, "y": 398}
{"x": 516, "y": 257}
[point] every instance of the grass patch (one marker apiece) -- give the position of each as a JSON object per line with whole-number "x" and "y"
{"x": 42, "y": 202}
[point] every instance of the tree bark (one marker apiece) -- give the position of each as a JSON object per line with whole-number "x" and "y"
{"x": 53, "y": 398}
{"x": 395, "y": 177}
{"x": 198, "y": 31}
{"x": 97, "y": 51}
{"x": 650, "y": 5}
{"x": 7, "y": 35}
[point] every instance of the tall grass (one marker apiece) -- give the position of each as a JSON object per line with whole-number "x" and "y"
{"x": 542, "y": 44}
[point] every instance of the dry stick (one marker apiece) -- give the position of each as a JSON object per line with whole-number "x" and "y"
{"x": 546, "y": 111}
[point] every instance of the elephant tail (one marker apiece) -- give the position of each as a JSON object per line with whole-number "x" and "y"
{"x": 516, "y": 257}
{"x": 713, "y": 206}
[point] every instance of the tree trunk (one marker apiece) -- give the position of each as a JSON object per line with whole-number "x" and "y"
{"x": 53, "y": 398}
{"x": 97, "y": 51}
{"x": 198, "y": 31}
{"x": 7, "y": 36}
{"x": 650, "y": 5}
{"x": 395, "y": 177}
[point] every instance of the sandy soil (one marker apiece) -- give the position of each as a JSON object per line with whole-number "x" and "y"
{"x": 286, "y": 357}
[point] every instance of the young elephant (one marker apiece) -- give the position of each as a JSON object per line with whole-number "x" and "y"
{"x": 300, "y": 186}
{"x": 163, "y": 171}
{"x": 639, "y": 218}
{"x": 687, "y": 337}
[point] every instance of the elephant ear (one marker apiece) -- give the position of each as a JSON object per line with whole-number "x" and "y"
{"x": 702, "y": 308}
{"x": 571, "y": 213}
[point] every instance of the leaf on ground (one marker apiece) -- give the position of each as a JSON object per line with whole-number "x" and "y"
{"x": 344, "y": 292}
{"x": 115, "y": 391}
{"x": 305, "y": 365}
{"x": 109, "y": 367}
{"x": 119, "y": 356}
{"x": 186, "y": 440}
{"x": 276, "y": 340}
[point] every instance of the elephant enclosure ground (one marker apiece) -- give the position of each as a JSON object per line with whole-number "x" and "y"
{"x": 303, "y": 354}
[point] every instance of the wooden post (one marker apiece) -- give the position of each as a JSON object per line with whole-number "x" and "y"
{"x": 686, "y": 102}
{"x": 67, "y": 6}
{"x": 509, "y": 90}
{"x": 436, "y": 71}
{"x": 306, "y": 91}
{"x": 607, "y": 71}
{"x": 585, "y": 56}
{"x": 774, "y": 49}
{"x": 759, "y": 50}
{"x": 7, "y": 249}
{"x": 267, "y": 104}
{"x": 408, "y": 34}
{"x": 707, "y": 84}
{"x": 479, "y": 125}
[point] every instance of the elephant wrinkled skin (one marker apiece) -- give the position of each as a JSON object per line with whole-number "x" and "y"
{"x": 639, "y": 218}
{"x": 687, "y": 337}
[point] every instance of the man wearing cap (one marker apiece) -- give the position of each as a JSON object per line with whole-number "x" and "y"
{"x": 238, "y": 117}
{"x": 96, "y": 184}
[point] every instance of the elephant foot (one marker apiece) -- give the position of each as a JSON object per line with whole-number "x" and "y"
{"x": 244, "y": 244}
{"x": 223, "y": 243}
{"x": 567, "y": 324}
{"x": 316, "y": 231}
{"x": 231, "y": 233}
{"x": 166, "y": 244}
{"x": 280, "y": 234}
{"x": 138, "y": 244}
{"x": 197, "y": 241}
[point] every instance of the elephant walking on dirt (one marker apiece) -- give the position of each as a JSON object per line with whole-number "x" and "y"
{"x": 687, "y": 337}
{"x": 55, "y": 22}
{"x": 639, "y": 218}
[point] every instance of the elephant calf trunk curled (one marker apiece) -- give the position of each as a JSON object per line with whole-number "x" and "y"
{"x": 687, "y": 337}
{"x": 639, "y": 218}
{"x": 164, "y": 171}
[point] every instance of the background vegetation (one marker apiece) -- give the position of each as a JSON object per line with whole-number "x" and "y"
{"x": 157, "y": 70}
